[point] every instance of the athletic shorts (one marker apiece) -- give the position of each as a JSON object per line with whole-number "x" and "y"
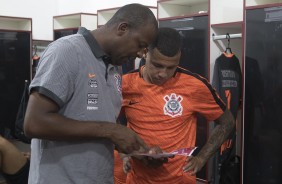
{"x": 21, "y": 177}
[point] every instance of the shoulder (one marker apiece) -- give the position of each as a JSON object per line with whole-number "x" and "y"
{"x": 189, "y": 76}
{"x": 192, "y": 81}
{"x": 72, "y": 41}
{"x": 132, "y": 75}
{"x": 66, "y": 45}
{"x": 131, "y": 79}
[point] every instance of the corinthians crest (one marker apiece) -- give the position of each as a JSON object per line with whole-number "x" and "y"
{"x": 173, "y": 106}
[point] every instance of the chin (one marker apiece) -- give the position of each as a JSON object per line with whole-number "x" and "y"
{"x": 159, "y": 83}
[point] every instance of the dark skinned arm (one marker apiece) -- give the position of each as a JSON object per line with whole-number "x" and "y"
{"x": 43, "y": 121}
{"x": 225, "y": 125}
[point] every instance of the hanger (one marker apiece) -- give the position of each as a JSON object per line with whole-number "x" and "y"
{"x": 228, "y": 49}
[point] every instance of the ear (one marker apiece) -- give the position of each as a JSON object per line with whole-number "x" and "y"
{"x": 122, "y": 28}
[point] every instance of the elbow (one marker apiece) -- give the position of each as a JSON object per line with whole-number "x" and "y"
{"x": 30, "y": 128}
{"x": 28, "y": 131}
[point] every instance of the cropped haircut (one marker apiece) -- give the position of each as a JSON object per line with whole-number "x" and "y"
{"x": 168, "y": 42}
{"x": 136, "y": 15}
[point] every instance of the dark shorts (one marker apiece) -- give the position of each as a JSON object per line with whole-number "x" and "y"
{"x": 21, "y": 177}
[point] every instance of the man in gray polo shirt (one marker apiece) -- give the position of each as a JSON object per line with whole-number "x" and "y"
{"x": 75, "y": 99}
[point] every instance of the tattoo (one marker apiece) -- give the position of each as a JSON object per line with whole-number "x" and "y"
{"x": 225, "y": 125}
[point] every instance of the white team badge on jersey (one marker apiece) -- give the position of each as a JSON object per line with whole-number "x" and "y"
{"x": 173, "y": 105}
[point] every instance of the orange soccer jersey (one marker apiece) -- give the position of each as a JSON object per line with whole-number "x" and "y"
{"x": 119, "y": 175}
{"x": 166, "y": 116}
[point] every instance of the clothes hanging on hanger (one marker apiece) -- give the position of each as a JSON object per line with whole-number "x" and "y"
{"x": 227, "y": 80}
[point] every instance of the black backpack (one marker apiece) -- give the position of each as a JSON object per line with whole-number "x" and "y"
{"x": 19, "y": 131}
{"x": 230, "y": 168}
{"x": 230, "y": 171}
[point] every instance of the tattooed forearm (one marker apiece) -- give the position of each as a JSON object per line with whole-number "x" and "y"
{"x": 219, "y": 134}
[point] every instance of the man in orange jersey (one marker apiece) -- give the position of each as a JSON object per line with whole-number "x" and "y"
{"x": 160, "y": 102}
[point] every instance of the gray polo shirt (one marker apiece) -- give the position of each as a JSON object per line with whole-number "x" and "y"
{"x": 72, "y": 73}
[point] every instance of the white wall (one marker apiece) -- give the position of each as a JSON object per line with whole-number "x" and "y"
{"x": 91, "y": 6}
{"x": 42, "y": 11}
{"x": 223, "y": 11}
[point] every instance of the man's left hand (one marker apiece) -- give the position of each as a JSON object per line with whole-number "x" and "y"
{"x": 194, "y": 165}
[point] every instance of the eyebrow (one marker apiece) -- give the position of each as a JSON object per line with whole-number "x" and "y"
{"x": 155, "y": 63}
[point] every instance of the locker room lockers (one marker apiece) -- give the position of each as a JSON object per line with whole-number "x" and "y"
{"x": 263, "y": 100}
{"x": 15, "y": 67}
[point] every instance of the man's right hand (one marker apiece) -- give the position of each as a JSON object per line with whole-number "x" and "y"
{"x": 153, "y": 162}
{"x": 127, "y": 141}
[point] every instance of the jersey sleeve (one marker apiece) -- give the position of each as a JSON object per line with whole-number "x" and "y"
{"x": 207, "y": 102}
{"x": 56, "y": 73}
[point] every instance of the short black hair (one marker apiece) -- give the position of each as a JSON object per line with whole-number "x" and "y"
{"x": 135, "y": 14}
{"x": 168, "y": 42}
